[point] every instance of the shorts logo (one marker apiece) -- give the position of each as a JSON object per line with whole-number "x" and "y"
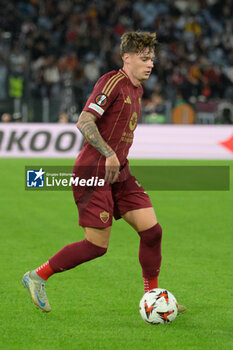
{"x": 101, "y": 100}
{"x": 35, "y": 178}
{"x": 104, "y": 216}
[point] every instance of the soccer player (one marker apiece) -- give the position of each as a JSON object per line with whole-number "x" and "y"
{"x": 107, "y": 123}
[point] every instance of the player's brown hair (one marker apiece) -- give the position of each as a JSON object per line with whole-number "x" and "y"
{"x": 136, "y": 42}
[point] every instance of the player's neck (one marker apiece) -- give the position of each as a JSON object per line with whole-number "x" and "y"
{"x": 133, "y": 80}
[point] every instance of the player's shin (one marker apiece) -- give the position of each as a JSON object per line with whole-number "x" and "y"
{"x": 70, "y": 256}
{"x": 150, "y": 256}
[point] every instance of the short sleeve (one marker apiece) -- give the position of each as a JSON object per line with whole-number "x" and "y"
{"x": 104, "y": 93}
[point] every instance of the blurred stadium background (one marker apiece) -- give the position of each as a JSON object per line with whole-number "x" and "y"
{"x": 52, "y": 52}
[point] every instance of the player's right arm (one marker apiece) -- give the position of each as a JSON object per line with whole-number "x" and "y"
{"x": 87, "y": 125}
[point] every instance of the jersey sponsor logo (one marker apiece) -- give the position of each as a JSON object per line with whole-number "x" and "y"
{"x": 127, "y": 137}
{"x": 127, "y": 100}
{"x": 96, "y": 108}
{"x": 133, "y": 121}
{"x": 104, "y": 216}
{"x": 101, "y": 100}
{"x": 35, "y": 178}
{"x": 140, "y": 101}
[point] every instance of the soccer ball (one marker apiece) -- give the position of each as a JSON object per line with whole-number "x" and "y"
{"x": 158, "y": 306}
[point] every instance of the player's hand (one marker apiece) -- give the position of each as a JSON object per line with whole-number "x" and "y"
{"x": 112, "y": 166}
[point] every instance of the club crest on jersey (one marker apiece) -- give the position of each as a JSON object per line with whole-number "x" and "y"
{"x": 133, "y": 121}
{"x": 101, "y": 100}
{"x": 104, "y": 216}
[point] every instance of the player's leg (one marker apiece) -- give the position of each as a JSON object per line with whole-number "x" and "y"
{"x": 141, "y": 219}
{"x": 95, "y": 209}
{"x": 133, "y": 204}
{"x": 144, "y": 221}
{"x": 93, "y": 246}
{"x": 98, "y": 236}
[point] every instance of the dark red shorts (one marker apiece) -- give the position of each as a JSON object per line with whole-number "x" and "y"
{"x": 97, "y": 206}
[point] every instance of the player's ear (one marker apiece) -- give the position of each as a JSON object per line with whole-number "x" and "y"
{"x": 126, "y": 57}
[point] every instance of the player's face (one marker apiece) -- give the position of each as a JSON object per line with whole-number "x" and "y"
{"x": 141, "y": 64}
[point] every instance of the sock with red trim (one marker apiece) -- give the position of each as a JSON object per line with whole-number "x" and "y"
{"x": 150, "y": 256}
{"x": 70, "y": 256}
{"x": 150, "y": 284}
{"x": 44, "y": 271}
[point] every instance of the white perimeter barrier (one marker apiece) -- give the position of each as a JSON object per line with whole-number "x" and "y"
{"x": 39, "y": 140}
{"x": 183, "y": 142}
{"x": 151, "y": 141}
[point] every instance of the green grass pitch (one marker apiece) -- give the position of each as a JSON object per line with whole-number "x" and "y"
{"x": 95, "y": 306}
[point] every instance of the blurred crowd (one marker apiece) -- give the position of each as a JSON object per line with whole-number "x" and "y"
{"x": 59, "y": 48}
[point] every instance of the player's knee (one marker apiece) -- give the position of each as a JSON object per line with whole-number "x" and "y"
{"x": 96, "y": 250}
{"x": 100, "y": 251}
{"x": 151, "y": 236}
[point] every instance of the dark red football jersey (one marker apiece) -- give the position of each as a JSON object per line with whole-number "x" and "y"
{"x": 117, "y": 104}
